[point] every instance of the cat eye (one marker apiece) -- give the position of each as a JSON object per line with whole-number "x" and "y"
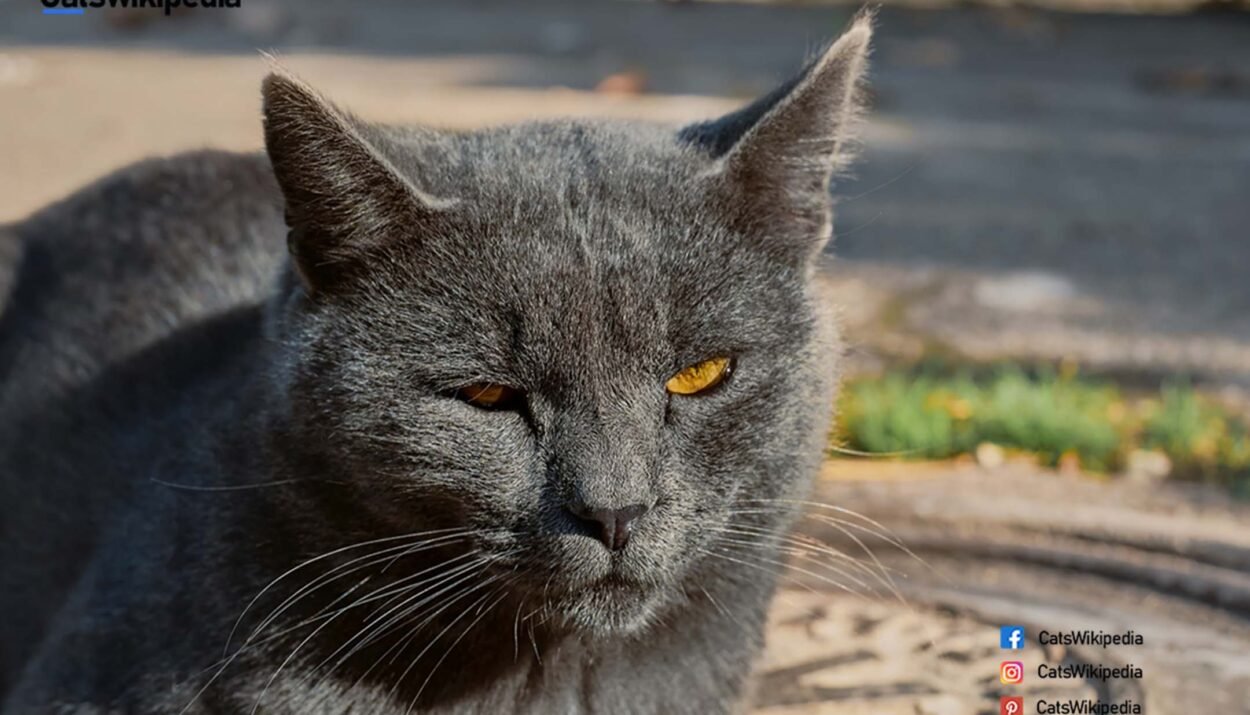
{"x": 700, "y": 377}
{"x": 489, "y": 396}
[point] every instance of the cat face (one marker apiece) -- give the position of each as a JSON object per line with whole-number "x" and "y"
{"x": 591, "y": 346}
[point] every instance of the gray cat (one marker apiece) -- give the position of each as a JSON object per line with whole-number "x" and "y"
{"x": 517, "y": 427}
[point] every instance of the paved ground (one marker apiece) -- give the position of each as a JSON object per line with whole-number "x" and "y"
{"x": 1015, "y": 546}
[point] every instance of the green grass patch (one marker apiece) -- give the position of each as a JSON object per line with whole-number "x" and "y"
{"x": 1201, "y": 439}
{"x": 1052, "y": 415}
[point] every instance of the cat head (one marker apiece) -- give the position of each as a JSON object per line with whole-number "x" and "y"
{"x": 595, "y": 347}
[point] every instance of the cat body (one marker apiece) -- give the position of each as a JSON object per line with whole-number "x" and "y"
{"x": 236, "y": 480}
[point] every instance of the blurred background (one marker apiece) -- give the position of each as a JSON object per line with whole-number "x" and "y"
{"x": 1042, "y": 262}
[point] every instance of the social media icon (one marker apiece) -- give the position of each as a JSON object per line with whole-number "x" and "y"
{"x": 1011, "y": 706}
{"x": 1011, "y": 672}
{"x": 1011, "y": 637}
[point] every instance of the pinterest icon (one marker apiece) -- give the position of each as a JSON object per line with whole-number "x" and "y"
{"x": 1011, "y": 706}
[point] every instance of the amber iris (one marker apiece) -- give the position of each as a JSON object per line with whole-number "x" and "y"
{"x": 489, "y": 396}
{"x": 699, "y": 377}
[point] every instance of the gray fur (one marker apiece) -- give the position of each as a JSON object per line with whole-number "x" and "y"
{"x": 179, "y": 429}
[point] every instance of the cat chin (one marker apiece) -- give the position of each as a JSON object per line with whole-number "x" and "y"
{"x": 611, "y": 610}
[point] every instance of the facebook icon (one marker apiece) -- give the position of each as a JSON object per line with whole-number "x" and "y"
{"x": 1011, "y": 637}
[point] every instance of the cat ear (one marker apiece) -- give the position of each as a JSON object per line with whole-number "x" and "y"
{"x": 344, "y": 198}
{"x": 778, "y": 155}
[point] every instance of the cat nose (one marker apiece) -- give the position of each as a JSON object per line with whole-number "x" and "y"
{"x": 612, "y": 526}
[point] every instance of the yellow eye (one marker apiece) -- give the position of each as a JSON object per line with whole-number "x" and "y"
{"x": 489, "y": 396}
{"x": 699, "y": 377}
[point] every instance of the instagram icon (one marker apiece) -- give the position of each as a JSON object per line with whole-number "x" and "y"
{"x": 1011, "y": 706}
{"x": 1011, "y": 672}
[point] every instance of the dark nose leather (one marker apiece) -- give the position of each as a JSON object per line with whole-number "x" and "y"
{"x": 612, "y": 526}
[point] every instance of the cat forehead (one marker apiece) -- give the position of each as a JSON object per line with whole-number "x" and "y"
{"x": 581, "y": 142}
{"x": 573, "y": 238}
{"x": 560, "y": 197}
{"x": 554, "y": 161}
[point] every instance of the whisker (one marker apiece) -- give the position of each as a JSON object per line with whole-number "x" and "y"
{"x": 798, "y": 539}
{"x": 481, "y": 614}
{"x": 315, "y": 559}
{"x": 368, "y": 560}
{"x": 534, "y": 643}
{"x": 787, "y": 542}
{"x": 289, "y": 658}
{"x": 792, "y": 552}
{"x": 779, "y": 573}
{"x": 811, "y": 556}
{"x": 233, "y": 487}
{"x": 379, "y": 626}
{"x": 873, "y": 455}
{"x": 862, "y": 226}
{"x": 228, "y": 659}
{"x": 883, "y": 573}
{"x": 889, "y": 539}
{"x": 516, "y": 635}
{"x": 441, "y": 633}
{"x": 882, "y": 532}
{"x": 783, "y": 565}
{"x": 881, "y": 186}
{"x": 386, "y": 591}
{"x": 715, "y": 603}
{"x": 804, "y": 542}
{"x": 822, "y": 505}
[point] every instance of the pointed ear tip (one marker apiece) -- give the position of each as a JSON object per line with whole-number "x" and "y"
{"x": 852, "y": 47}
{"x": 279, "y": 81}
{"x": 282, "y": 90}
{"x": 858, "y": 34}
{"x": 865, "y": 18}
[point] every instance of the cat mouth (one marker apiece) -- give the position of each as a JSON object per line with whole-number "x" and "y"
{"x": 611, "y": 605}
{"x": 617, "y": 583}
{"x": 619, "y": 579}
{"x": 614, "y": 584}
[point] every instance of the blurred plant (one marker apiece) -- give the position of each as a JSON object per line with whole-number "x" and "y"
{"x": 1059, "y": 418}
{"x": 1198, "y": 436}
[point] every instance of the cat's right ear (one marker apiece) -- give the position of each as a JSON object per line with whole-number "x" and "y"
{"x": 345, "y": 200}
{"x": 775, "y": 158}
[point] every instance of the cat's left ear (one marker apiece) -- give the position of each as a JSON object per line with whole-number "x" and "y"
{"x": 345, "y": 197}
{"x": 777, "y": 156}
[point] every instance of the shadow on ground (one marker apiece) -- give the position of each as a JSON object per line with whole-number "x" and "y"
{"x": 1034, "y": 185}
